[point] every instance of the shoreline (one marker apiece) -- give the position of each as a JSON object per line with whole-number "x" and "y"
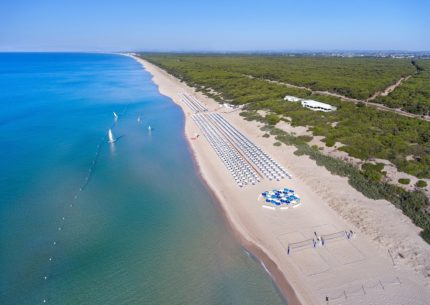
{"x": 249, "y": 227}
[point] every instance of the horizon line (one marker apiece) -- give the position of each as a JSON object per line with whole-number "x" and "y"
{"x": 287, "y": 51}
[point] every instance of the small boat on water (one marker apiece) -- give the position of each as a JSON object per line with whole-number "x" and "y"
{"x": 111, "y": 138}
{"x": 115, "y": 116}
{"x": 149, "y": 128}
{"x": 139, "y": 119}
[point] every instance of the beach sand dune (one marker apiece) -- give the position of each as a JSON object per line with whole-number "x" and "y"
{"x": 366, "y": 269}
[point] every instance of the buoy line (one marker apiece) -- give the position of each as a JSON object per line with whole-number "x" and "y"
{"x": 83, "y": 186}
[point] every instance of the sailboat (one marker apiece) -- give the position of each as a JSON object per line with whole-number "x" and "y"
{"x": 138, "y": 119}
{"x": 115, "y": 116}
{"x": 149, "y": 128}
{"x": 111, "y": 137}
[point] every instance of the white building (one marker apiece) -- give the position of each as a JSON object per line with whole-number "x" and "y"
{"x": 291, "y": 98}
{"x": 318, "y": 106}
{"x": 311, "y": 104}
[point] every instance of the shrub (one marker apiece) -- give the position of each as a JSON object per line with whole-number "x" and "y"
{"x": 251, "y": 116}
{"x": 421, "y": 183}
{"x": 305, "y": 138}
{"x": 404, "y": 181}
{"x": 425, "y": 234}
{"x": 329, "y": 142}
{"x": 353, "y": 152}
{"x": 373, "y": 171}
{"x": 277, "y": 144}
{"x": 266, "y": 135}
{"x": 272, "y": 119}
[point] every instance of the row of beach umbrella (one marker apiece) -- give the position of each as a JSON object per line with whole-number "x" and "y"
{"x": 194, "y": 104}
{"x": 239, "y": 168}
{"x": 269, "y": 167}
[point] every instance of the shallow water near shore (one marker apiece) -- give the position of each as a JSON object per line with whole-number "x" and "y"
{"x": 87, "y": 222}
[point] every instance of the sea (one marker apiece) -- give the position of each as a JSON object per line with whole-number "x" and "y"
{"x": 84, "y": 221}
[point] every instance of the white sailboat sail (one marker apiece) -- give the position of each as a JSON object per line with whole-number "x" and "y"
{"x": 115, "y": 116}
{"x": 149, "y": 128}
{"x": 111, "y": 137}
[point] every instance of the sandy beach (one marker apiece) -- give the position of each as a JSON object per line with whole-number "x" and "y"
{"x": 386, "y": 262}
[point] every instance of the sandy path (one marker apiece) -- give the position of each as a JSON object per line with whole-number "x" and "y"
{"x": 389, "y": 89}
{"x": 356, "y": 271}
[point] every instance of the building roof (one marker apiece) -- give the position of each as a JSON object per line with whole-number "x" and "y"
{"x": 315, "y": 104}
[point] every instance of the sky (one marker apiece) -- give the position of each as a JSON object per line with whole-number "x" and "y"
{"x": 218, "y": 25}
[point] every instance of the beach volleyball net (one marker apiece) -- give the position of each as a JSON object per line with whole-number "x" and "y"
{"x": 334, "y": 236}
{"x": 308, "y": 243}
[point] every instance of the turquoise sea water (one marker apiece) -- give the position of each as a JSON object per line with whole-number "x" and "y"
{"x": 143, "y": 230}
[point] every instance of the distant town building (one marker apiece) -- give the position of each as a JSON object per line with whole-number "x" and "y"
{"x": 311, "y": 104}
